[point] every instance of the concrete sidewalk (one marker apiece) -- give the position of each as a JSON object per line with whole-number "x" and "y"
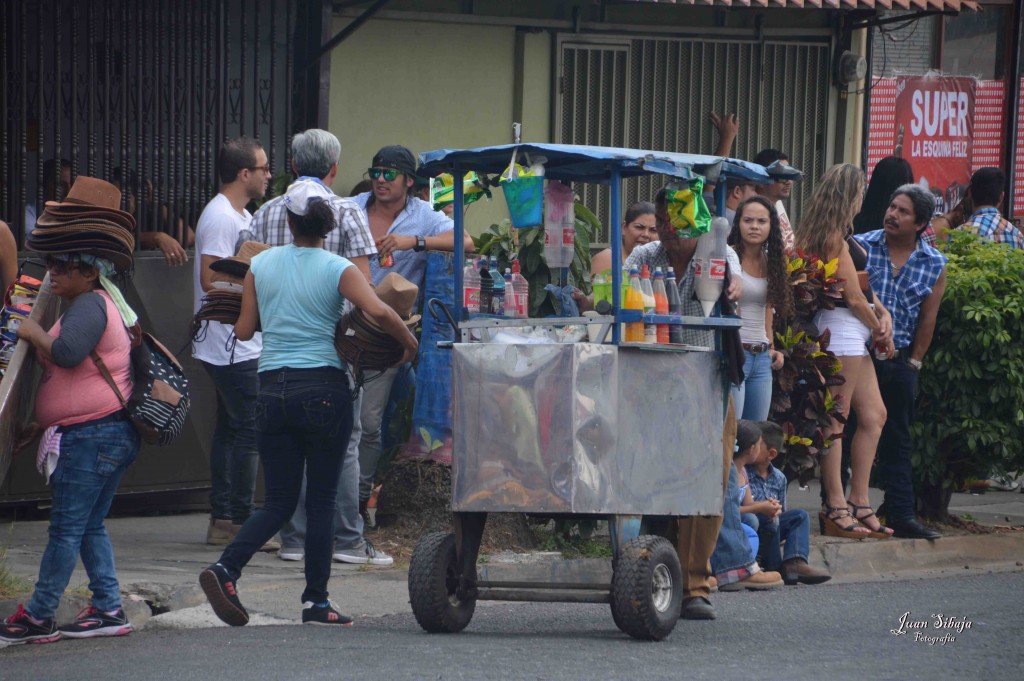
{"x": 159, "y": 559}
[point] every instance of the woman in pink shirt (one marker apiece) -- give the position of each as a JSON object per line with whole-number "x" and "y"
{"x": 86, "y": 448}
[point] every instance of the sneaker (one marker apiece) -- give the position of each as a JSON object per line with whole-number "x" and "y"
{"x": 759, "y": 581}
{"x": 1002, "y": 484}
{"x": 287, "y": 553}
{"x": 92, "y": 622}
{"x": 23, "y": 628}
{"x": 365, "y": 555}
{"x": 220, "y": 592}
{"x": 315, "y": 614}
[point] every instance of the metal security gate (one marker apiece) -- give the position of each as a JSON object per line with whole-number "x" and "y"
{"x": 140, "y": 92}
{"x": 655, "y": 93}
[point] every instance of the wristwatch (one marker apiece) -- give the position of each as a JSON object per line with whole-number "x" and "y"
{"x": 421, "y": 244}
{"x": 915, "y": 363}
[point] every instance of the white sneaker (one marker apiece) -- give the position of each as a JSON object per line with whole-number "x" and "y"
{"x": 1002, "y": 484}
{"x": 367, "y": 555}
{"x": 291, "y": 554}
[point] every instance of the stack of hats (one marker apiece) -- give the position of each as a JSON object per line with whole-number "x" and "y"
{"x": 88, "y": 221}
{"x": 224, "y": 303}
{"x": 361, "y": 343}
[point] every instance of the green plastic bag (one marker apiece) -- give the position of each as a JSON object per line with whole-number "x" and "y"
{"x": 687, "y": 211}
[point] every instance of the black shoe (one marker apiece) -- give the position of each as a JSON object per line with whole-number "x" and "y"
{"x": 92, "y": 622}
{"x": 315, "y": 614}
{"x": 911, "y": 529}
{"x": 20, "y": 628}
{"x": 697, "y": 608}
{"x": 220, "y": 591}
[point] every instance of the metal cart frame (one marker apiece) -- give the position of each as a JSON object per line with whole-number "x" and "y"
{"x": 645, "y": 592}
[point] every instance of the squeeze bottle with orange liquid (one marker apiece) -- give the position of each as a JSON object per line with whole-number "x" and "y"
{"x": 634, "y": 301}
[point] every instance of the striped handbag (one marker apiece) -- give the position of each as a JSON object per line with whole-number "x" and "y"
{"x": 159, "y": 401}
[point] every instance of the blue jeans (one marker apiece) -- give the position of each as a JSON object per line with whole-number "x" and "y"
{"x": 233, "y": 458}
{"x": 303, "y": 424}
{"x": 93, "y": 457}
{"x": 897, "y": 381}
{"x": 753, "y": 398}
{"x": 792, "y": 527}
{"x": 376, "y": 394}
{"x": 348, "y": 524}
{"x": 732, "y": 550}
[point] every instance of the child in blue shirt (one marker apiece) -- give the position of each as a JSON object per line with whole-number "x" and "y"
{"x": 784, "y": 539}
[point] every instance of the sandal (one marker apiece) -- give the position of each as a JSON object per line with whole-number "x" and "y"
{"x": 882, "y": 532}
{"x": 830, "y": 528}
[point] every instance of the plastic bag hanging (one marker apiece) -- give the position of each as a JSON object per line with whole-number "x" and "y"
{"x": 523, "y": 188}
{"x": 687, "y": 211}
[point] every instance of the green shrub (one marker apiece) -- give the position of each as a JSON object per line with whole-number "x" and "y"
{"x": 970, "y": 409}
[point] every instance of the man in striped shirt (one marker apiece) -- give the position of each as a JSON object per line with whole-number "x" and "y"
{"x": 909, "y": 277}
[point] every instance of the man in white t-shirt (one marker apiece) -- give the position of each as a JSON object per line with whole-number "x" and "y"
{"x": 778, "y": 191}
{"x": 244, "y": 175}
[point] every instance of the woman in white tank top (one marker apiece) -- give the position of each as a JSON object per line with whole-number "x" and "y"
{"x": 757, "y": 239}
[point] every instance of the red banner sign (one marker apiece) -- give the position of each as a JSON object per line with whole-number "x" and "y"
{"x": 935, "y": 126}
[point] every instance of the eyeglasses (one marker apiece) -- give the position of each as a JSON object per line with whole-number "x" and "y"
{"x": 60, "y": 267}
{"x": 265, "y": 169}
{"x": 389, "y": 173}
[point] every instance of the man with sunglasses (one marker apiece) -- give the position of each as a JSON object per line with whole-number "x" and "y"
{"x": 778, "y": 191}
{"x": 404, "y": 228}
{"x": 244, "y": 174}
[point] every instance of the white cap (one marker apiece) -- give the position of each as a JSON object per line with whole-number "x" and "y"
{"x": 303, "y": 192}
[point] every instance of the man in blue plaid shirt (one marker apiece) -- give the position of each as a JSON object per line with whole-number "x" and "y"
{"x": 315, "y": 153}
{"x": 909, "y": 277}
{"x": 987, "y": 186}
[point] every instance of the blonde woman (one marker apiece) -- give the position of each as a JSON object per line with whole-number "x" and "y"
{"x": 858, "y": 319}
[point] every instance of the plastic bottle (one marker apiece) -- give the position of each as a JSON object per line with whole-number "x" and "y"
{"x": 511, "y": 309}
{"x": 711, "y": 264}
{"x": 650, "y": 331}
{"x": 660, "y": 303}
{"x": 675, "y": 306}
{"x": 498, "y": 299}
{"x": 471, "y": 287}
{"x": 486, "y": 287}
{"x": 559, "y": 225}
{"x": 634, "y": 301}
{"x": 521, "y": 287}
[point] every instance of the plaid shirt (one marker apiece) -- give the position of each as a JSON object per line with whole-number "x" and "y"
{"x": 902, "y": 295}
{"x": 772, "y": 487}
{"x": 988, "y": 223}
{"x": 350, "y": 239}
{"x": 653, "y": 255}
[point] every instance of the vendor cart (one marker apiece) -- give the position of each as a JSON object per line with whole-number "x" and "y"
{"x": 627, "y": 432}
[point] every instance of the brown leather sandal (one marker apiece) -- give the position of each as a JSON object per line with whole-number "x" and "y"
{"x": 830, "y": 528}
{"x": 880, "y": 533}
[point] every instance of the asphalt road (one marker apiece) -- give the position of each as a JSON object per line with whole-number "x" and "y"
{"x": 825, "y": 633}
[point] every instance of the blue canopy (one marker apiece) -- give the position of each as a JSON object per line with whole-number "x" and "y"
{"x": 591, "y": 164}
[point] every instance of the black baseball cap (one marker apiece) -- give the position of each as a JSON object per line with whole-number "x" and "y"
{"x": 397, "y": 157}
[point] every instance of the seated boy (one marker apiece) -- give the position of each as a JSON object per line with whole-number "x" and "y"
{"x": 792, "y": 527}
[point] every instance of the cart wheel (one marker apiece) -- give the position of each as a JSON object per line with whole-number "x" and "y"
{"x": 433, "y": 581}
{"x": 647, "y": 588}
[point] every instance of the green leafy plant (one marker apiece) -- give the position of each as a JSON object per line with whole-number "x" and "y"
{"x": 507, "y": 244}
{"x": 802, "y": 402}
{"x": 970, "y": 411}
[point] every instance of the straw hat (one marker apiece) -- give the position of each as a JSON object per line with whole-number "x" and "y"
{"x": 400, "y": 295}
{"x": 234, "y": 268}
{"x": 361, "y": 342}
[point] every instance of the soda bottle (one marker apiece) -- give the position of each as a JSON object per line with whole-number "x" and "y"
{"x": 511, "y": 309}
{"x": 471, "y": 287}
{"x": 711, "y": 263}
{"x": 498, "y": 298}
{"x": 486, "y": 287}
{"x": 660, "y": 303}
{"x": 559, "y": 225}
{"x": 521, "y": 287}
{"x": 651, "y": 333}
{"x": 675, "y": 306}
{"x": 634, "y": 301}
